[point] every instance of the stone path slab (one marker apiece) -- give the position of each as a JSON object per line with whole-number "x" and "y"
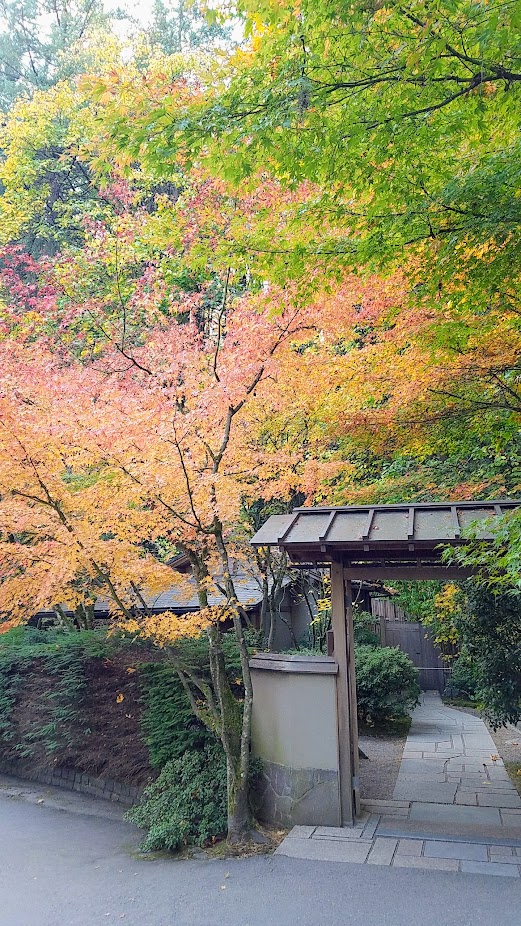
{"x": 344, "y": 845}
{"x": 454, "y": 809}
{"x": 450, "y": 758}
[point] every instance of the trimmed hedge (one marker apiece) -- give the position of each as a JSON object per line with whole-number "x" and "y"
{"x": 386, "y": 683}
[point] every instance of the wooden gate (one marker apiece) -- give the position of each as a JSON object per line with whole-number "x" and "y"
{"x": 414, "y": 639}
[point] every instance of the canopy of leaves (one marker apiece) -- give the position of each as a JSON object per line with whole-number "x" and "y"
{"x": 42, "y": 41}
{"x": 404, "y": 116}
{"x": 489, "y": 627}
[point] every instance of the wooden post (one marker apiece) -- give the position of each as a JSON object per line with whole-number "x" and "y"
{"x": 353, "y": 712}
{"x": 342, "y": 622}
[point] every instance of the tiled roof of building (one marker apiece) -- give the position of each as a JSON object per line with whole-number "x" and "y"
{"x": 184, "y": 596}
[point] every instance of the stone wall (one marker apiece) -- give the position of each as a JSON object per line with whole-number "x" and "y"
{"x": 76, "y": 781}
{"x": 291, "y": 796}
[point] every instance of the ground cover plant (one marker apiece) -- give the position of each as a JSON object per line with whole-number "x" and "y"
{"x": 99, "y": 705}
{"x": 186, "y": 804}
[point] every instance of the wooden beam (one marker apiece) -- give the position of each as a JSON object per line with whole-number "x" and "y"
{"x": 368, "y": 524}
{"x": 410, "y": 524}
{"x": 410, "y": 573}
{"x": 342, "y": 623}
{"x": 329, "y": 525}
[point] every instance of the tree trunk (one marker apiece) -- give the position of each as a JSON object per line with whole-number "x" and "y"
{"x": 231, "y": 727}
{"x": 239, "y": 822}
{"x": 64, "y": 621}
{"x": 234, "y": 724}
{"x": 89, "y": 614}
{"x": 271, "y": 634}
{"x": 239, "y": 819}
{"x": 263, "y": 622}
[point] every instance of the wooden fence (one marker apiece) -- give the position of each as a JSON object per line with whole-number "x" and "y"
{"x": 386, "y": 608}
{"x": 413, "y": 638}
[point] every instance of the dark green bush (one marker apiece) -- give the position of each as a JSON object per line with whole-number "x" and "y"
{"x": 169, "y": 725}
{"x": 363, "y": 629}
{"x": 489, "y": 629}
{"x": 386, "y": 683}
{"x": 463, "y": 680}
{"x": 168, "y": 722}
{"x": 186, "y": 805}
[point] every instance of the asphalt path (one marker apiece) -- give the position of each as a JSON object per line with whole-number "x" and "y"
{"x": 65, "y": 868}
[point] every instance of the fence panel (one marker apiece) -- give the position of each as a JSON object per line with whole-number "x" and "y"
{"x": 414, "y": 639}
{"x": 386, "y": 608}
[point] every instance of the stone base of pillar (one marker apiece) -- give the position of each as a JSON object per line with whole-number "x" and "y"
{"x": 294, "y": 796}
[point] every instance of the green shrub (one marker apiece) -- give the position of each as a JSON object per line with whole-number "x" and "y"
{"x": 168, "y": 722}
{"x": 463, "y": 678}
{"x": 186, "y": 805}
{"x": 489, "y": 628}
{"x": 10, "y": 679}
{"x": 386, "y": 683}
{"x": 363, "y": 629}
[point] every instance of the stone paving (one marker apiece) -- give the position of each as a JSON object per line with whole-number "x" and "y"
{"x": 454, "y": 807}
{"x": 450, "y": 758}
{"x": 357, "y": 845}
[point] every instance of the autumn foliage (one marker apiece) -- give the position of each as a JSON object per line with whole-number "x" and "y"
{"x": 215, "y": 292}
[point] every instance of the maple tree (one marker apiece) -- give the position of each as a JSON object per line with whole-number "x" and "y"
{"x": 145, "y": 441}
{"x": 450, "y": 355}
{"x": 402, "y": 114}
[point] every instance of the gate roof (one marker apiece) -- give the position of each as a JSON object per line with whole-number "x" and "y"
{"x": 380, "y": 535}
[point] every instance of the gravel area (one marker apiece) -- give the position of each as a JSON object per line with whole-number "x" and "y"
{"x": 508, "y": 744}
{"x": 378, "y": 773}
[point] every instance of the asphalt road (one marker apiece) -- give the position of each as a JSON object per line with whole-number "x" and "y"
{"x": 61, "y": 868}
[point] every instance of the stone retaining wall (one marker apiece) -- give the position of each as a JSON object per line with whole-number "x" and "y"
{"x": 104, "y": 788}
{"x": 292, "y": 797}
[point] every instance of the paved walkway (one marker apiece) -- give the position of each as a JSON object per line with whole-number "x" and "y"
{"x": 450, "y": 758}
{"x": 454, "y": 807}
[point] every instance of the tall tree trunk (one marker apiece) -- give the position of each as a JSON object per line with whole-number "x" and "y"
{"x": 234, "y": 724}
{"x": 239, "y": 818}
{"x": 263, "y": 617}
{"x": 63, "y": 619}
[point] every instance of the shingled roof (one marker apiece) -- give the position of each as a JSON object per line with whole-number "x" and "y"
{"x": 182, "y": 598}
{"x": 366, "y": 533}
